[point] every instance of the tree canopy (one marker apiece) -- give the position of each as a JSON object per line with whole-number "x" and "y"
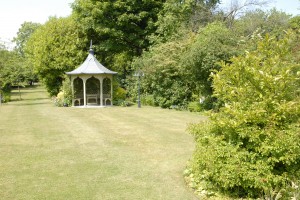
{"x": 53, "y": 49}
{"x": 188, "y": 14}
{"x": 12, "y": 71}
{"x": 24, "y": 33}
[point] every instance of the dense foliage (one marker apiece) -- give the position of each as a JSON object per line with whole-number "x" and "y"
{"x": 164, "y": 75}
{"x": 252, "y": 144}
{"x": 23, "y": 35}
{"x": 272, "y": 22}
{"x": 188, "y": 14}
{"x": 212, "y": 44}
{"x": 55, "y": 48}
{"x": 13, "y": 72}
{"x": 177, "y": 69}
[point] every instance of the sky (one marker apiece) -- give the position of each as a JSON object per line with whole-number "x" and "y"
{"x": 288, "y": 6}
{"x": 15, "y": 12}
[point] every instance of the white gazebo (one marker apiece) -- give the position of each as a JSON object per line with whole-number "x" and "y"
{"x": 92, "y": 83}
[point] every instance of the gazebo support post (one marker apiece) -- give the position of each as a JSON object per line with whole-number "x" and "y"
{"x": 111, "y": 91}
{"x": 84, "y": 91}
{"x": 139, "y": 93}
{"x": 73, "y": 94}
{"x": 101, "y": 91}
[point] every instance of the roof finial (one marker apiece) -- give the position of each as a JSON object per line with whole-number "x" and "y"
{"x": 91, "y": 51}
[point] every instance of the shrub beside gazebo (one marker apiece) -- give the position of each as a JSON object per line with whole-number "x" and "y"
{"x": 91, "y": 83}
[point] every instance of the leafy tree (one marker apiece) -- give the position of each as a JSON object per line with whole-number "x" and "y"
{"x": 253, "y": 145}
{"x": 213, "y": 43}
{"x": 164, "y": 76}
{"x": 23, "y": 35}
{"x": 266, "y": 22}
{"x": 27, "y": 28}
{"x": 294, "y": 22}
{"x": 238, "y": 8}
{"x": 119, "y": 29}
{"x": 4, "y": 71}
{"x": 54, "y": 48}
{"x": 295, "y": 26}
{"x": 12, "y": 71}
{"x": 188, "y": 14}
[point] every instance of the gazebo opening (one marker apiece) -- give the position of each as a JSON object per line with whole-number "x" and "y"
{"x": 107, "y": 91}
{"x": 92, "y": 83}
{"x": 93, "y": 91}
{"x": 78, "y": 92}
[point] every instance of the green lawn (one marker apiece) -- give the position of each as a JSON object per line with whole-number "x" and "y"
{"x": 47, "y": 152}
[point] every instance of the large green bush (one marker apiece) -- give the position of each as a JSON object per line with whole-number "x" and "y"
{"x": 164, "y": 77}
{"x": 119, "y": 95}
{"x": 252, "y": 144}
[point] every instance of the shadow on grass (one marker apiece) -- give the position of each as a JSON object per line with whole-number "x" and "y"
{"x": 26, "y": 87}
{"x": 24, "y": 99}
{"x": 23, "y": 102}
{"x": 24, "y": 91}
{"x": 31, "y": 103}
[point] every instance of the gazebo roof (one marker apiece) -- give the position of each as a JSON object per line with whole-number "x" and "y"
{"x": 91, "y": 66}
